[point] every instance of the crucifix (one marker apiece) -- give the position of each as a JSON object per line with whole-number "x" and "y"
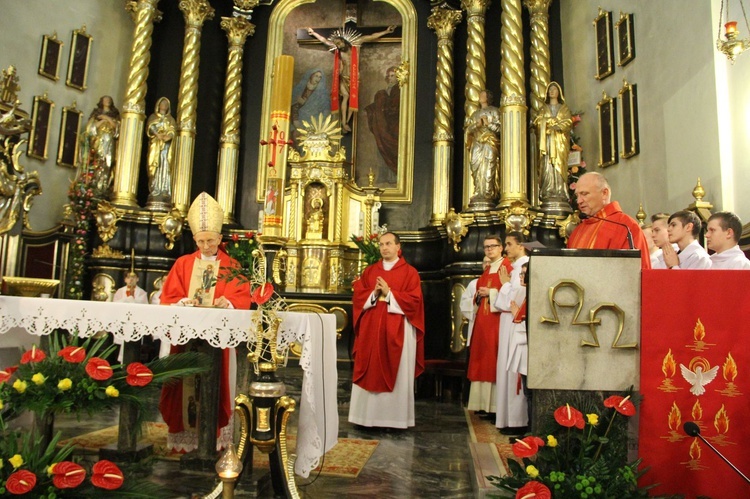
{"x": 345, "y": 43}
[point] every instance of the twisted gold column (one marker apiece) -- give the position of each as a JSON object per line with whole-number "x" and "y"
{"x": 444, "y": 22}
{"x": 475, "y": 74}
{"x": 196, "y": 12}
{"x": 540, "y": 74}
{"x": 125, "y": 184}
{"x": 238, "y": 29}
{"x": 513, "y": 108}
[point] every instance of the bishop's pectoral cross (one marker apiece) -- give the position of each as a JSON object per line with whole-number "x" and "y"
{"x": 345, "y": 44}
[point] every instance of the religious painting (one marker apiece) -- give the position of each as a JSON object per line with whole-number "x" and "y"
{"x": 67, "y": 149}
{"x": 629, "y": 105}
{"x": 607, "y": 111}
{"x": 78, "y": 65}
{"x": 203, "y": 282}
{"x": 49, "y": 59}
{"x": 350, "y": 63}
{"x": 41, "y": 115}
{"x": 604, "y": 50}
{"x": 625, "y": 39}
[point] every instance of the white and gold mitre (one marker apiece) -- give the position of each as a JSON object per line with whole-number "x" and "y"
{"x": 205, "y": 215}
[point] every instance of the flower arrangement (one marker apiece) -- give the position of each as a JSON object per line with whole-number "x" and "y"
{"x": 369, "y": 247}
{"x": 241, "y": 249}
{"x": 80, "y": 210}
{"x": 575, "y": 171}
{"x": 575, "y": 459}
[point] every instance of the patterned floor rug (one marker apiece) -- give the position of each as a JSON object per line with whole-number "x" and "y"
{"x": 346, "y": 459}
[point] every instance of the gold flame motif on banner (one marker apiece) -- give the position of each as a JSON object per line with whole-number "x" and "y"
{"x": 729, "y": 371}
{"x": 669, "y": 368}
{"x": 699, "y": 332}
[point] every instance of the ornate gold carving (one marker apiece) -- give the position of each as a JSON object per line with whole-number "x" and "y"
{"x": 246, "y": 5}
{"x": 641, "y": 215}
{"x": 17, "y": 188}
{"x": 287, "y": 405}
{"x": 402, "y": 73}
{"x": 518, "y": 218}
{"x": 171, "y": 226}
{"x": 278, "y": 266}
{"x": 320, "y": 140}
{"x": 540, "y": 54}
{"x": 144, "y": 13}
{"x": 311, "y": 272}
{"x": 105, "y": 251}
{"x": 107, "y": 217}
{"x": 103, "y": 287}
{"x": 263, "y": 423}
{"x": 457, "y": 226}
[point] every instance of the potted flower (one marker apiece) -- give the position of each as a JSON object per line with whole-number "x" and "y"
{"x": 369, "y": 247}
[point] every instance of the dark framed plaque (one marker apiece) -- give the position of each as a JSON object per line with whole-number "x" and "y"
{"x": 67, "y": 149}
{"x": 629, "y": 105}
{"x": 41, "y": 115}
{"x": 78, "y": 65}
{"x": 607, "y": 112}
{"x": 625, "y": 39}
{"x": 605, "y": 55}
{"x": 49, "y": 59}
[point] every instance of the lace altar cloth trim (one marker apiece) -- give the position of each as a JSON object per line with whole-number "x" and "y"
{"x": 221, "y": 328}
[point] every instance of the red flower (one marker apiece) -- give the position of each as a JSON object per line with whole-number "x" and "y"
{"x": 235, "y": 237}
{"x": 20, "y": 482}
{"x": 33, "y": 355}
{"x": 98, "y": 369}
{"x": 568, "y": 416}
{"x": 138, "y": 374}
{"x": 6, "y": 373}
{"x": 106, "y": 475}
{"x": 527, "y": 446}
{"x": 373, "y": 237}
{"x": 359, "y": 239}
{"x": 249, "y": 235}
{"x": 535, "y": 490}
{"x": 73, "y": 354}
{"x": 67, "y": 475}
{"x": 262, "y": 294}
{"x": 623, "y": 405}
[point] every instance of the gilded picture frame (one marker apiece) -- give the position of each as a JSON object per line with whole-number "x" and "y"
{"x": 49, "y": 57}
{"x": 78, "y": 64}
{"x": 625, "y": 39}
{"x": 41, "y": 116}
{"x": 628, "y": 96}
{"x": 605, "y": 54}
{"x": 606, "y": 110}
{"x": 67, "y": 150}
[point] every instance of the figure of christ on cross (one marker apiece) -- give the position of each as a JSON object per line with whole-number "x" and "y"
{"x": 345, "y": 46}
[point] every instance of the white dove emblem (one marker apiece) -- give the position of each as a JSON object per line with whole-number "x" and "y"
{"x": 698, "y": 379}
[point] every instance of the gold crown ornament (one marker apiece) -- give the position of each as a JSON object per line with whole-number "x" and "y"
{"x": 205, "y": 215}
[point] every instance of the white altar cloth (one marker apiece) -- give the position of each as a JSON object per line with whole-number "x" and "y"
{"x": 221, "y": 328}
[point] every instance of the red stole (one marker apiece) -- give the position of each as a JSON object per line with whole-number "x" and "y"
{"x": 353, "y": 81}
{"x": 521, "y": 313}
{"x": 336, "y": 82}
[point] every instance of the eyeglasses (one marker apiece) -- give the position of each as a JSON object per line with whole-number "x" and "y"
{"x": 490, "y": 246}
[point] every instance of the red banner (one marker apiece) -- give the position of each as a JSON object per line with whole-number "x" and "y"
{"x": 695, "y": 366}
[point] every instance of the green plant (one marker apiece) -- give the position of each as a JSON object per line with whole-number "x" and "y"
{"x": 242, "y": 249}
{"x": 369, "y": 247}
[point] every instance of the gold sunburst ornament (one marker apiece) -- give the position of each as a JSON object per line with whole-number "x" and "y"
{"x": 320, "y": 139}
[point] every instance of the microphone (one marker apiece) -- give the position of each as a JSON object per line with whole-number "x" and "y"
{"x": 694, "y": 430}
{"x": 584, "y": 216}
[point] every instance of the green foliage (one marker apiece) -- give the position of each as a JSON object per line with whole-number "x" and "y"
{"x": 369, "y": 247}
{"x": 241, "y": 249}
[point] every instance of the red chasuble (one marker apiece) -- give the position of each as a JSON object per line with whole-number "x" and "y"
{"x": 176, "y": 287}
{"x": 379, "y": 335}
{"x": 598, "y": 234}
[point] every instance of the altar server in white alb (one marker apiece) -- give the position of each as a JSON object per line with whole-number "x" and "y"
{"x": 723, "y": 235}
{"x": 684, "y": 228}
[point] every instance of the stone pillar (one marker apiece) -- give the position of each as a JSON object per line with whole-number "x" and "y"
{"x": 237, "y": 29}
{"x": 476, "y": 68}
{"x": 513, "y": 107}
{"x": 444, "y": 22}
{"x": 125, "y": 185}
{"x": 196, "y": 12}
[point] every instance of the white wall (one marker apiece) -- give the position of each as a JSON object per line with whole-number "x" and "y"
{"x": 675, "y": 68}
{"x": 23, "y": 26}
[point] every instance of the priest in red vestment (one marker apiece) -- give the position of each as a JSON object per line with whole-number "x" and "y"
{"x": 178, "y": 400}
{"x": 594, "y": 199}
{"x": 389, "y": 340}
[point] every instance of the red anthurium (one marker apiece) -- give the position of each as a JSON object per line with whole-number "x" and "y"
{"x": 527, "y": 446}
{"x": 568, "y": 416}
{"x": 106, "y": 475}
{"x": 73, "y": 354}
{"x": 20, "y": 482}
{"x": 138, "y": 374}
{"x": 33, "y": 355}
{"x": 98, "y": 369}
{"x": 262, "y": 293}
{"x": 235, "y": 237}
{"x": 249, "y": 235}
{"x": 6, "y": 373}
{"x": 534, "y": 490}
{"x": 67, "y": 475}
{"x": 623, "y": 405}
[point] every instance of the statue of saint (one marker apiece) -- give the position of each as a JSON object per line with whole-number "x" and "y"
{"x": 99, "y": 144}
{"x": 554, "y": 123}
{"x": 483, "y": 143}
{"x": 160, "y": 129}
{"x": 315, "y": 220}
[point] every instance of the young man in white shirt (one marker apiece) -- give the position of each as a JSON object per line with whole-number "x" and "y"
{"x": 660, "y": 237}
{"x": 722, "y": 235}
{"x": 684, "y": 228}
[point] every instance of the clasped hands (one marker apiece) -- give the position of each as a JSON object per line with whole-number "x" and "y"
{"x": 381, "y": 287}
{"x": 671, "y": 259}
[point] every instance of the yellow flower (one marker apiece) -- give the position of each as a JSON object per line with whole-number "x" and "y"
{"x": 65, "y": 384}
{"x": 20, "y": 386}
{"x": 38, "y": 379}
{"x": 1, "y": 406}
{"x": 51, "y": 469}
{"x": 593, "y": 419}
{"x": 551, "y": 441}
{"x": 111, "y": 391}
{"x": 16, "y": 461}
{"x": 532, "y": 471}
{"x": 1, "y": 464}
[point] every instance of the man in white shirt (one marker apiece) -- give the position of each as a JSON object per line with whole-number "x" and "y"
{"x": 722, "y": 235}
{"x": 660, "y": 238}
{"x": 684, "y": 228}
